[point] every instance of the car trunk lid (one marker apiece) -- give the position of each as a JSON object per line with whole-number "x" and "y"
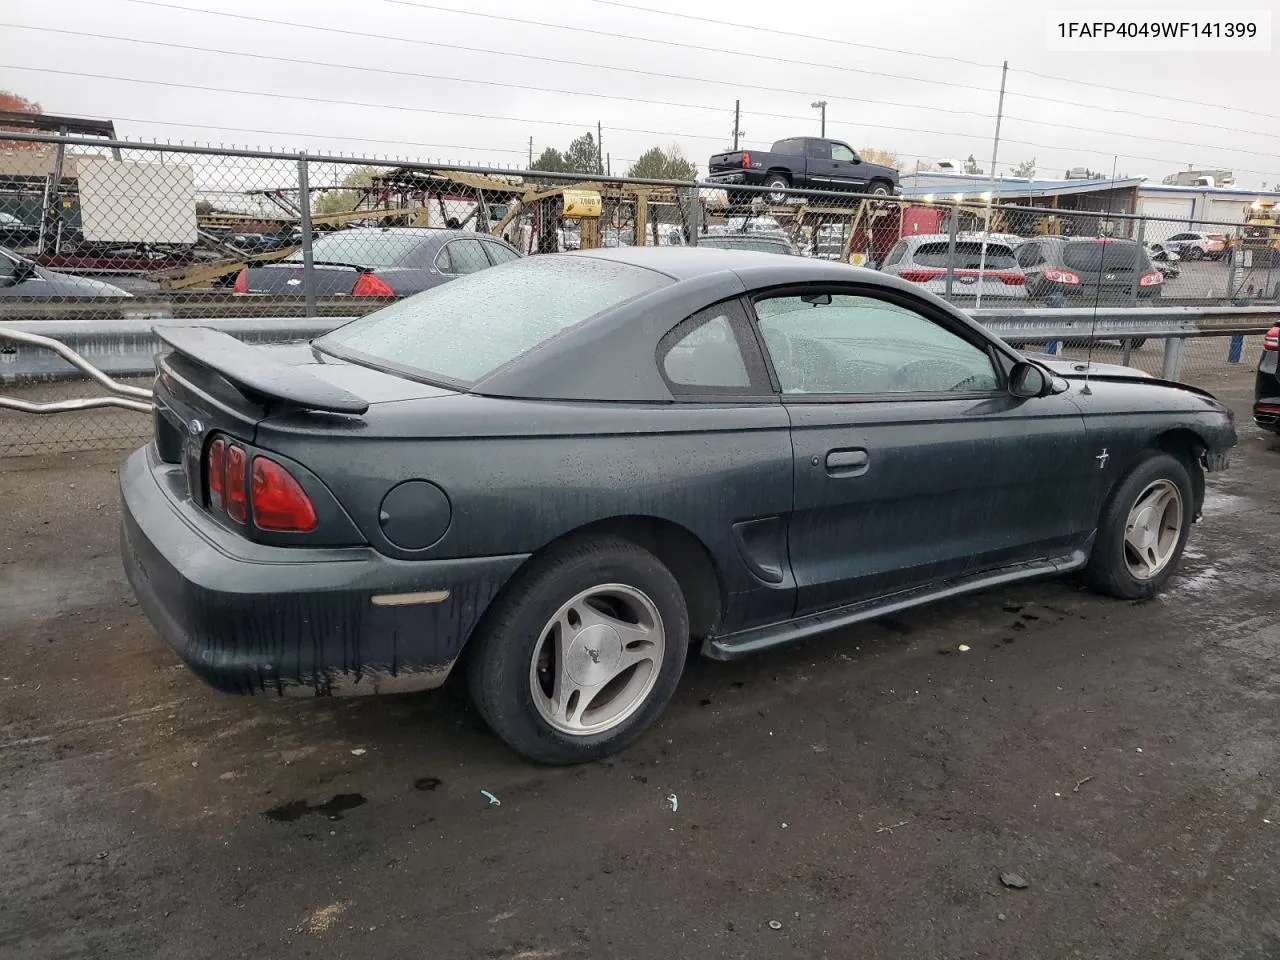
{"x": 287, "y": 278}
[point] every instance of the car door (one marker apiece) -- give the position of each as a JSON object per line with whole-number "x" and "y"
{"x": 847, "y": 167}
{"x": 914, "y": 464}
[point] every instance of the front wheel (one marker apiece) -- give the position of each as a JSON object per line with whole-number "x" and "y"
{"x": 1143, "y": 529}
{"x": 1195, "y": 253}
{"x": 879, "y": 190}
{"x": 582, "y": 653}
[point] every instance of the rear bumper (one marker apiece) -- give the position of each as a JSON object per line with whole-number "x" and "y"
{"x": 248, "y": 618}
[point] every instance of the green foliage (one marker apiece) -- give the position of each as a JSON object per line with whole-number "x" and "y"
{"x": 658, "y": 164}
{"x": 344, "y": 201}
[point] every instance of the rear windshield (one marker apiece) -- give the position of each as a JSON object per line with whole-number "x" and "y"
{"x": 759, "y": 244}
{"x": 363, "y": 249}
{"x": 968, "y": 256}
{"x": 468, "y": 327}
{"x": 1093, "y": 257}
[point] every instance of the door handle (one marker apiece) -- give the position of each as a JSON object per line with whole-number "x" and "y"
{"x": 847, "y": 463}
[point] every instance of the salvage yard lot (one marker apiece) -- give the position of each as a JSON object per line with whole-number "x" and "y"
{"x": 864, "y": 790}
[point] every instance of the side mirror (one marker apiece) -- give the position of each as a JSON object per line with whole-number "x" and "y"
{"x": 1027, "y": 381}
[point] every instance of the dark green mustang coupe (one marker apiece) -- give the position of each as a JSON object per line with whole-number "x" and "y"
{"x": 555, "y": 474}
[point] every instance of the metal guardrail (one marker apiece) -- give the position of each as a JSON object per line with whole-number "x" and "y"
{"x": 52, "y": 350}
{"x": 119, "y": 394}
{"x": 123, "y": 348}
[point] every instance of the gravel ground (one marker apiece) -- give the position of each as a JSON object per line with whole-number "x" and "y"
{"x": 857, "y": 796}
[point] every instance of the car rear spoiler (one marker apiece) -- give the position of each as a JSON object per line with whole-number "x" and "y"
{"x": 257, "y": 372}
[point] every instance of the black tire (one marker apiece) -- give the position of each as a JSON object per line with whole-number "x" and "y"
{"x": 777, "y": 181}
{"x": 739, "y": 198}
{"x": 878, "y": 188}
{"x": 1194, "y": 253}
{"x": 1107, "y": 571}
{"x": 499, "y": 666}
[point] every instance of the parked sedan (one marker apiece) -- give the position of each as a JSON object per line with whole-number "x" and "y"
{"x": 571, "y": 465}
{"x": 380, "y": 262}
{"x": 760, "y": 242}
{"x": 1091, "y": 269}
{"x": 1266, "y": 391}
{"x": 20, "y": 277}
{"x": 989, "y": 268}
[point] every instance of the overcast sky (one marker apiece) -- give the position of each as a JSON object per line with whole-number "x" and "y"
{"x": 932, "y": 110}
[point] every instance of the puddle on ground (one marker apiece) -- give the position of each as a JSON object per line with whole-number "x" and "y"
{"x": 333, "y": 808}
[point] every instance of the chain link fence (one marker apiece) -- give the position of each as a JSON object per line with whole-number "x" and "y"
{"x": 91, "y": 232}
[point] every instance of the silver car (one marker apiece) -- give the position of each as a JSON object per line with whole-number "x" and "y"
{"x": 924, "y": 259}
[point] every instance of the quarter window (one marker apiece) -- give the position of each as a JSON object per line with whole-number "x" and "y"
{"x": 704, "y": 356}
{"x": 461, "y": 257}
{"x": 499, "y": 253}
{"x": 856, "y": 345}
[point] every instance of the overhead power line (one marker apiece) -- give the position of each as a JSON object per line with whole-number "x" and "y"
{"x": 773, "y": 31}
{"x": 453, "y": 46}
{"x": 404, "y": 73}
{"x": 755, "y": 56}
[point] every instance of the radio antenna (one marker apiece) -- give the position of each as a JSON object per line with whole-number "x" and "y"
{"x": 1097, "y": 293}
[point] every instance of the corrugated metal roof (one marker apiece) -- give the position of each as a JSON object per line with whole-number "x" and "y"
{"x": 1168, "y": 188}
{"x": 973, "y": 186}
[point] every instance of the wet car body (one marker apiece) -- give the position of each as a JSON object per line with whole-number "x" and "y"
{"x": 782, "y": 513}
{"x": 22, "y": 278}
{"x": 1266, "y": 391}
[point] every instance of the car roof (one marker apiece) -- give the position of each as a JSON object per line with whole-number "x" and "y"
{"x": 689, "y": 263}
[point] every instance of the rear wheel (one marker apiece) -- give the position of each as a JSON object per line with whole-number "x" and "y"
{"x": 582, "y": 653}
{"x": 1143, "y": 529}
{"x": 778, "y": 186}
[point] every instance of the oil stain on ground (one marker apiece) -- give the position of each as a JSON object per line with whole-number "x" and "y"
{"x": 333, "y": 808}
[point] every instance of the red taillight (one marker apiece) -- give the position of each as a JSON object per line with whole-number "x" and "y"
{"x": 237, "y": 502}
{"x": 370, "y": 286}
{"x": 1152, "y": 279}
{"x": 746, "y": 160}
{"x": 1012, "y": 279}
{"x": 279, "y": 502}
{"x": 921, "y": 276}
{"x": 217, "y": 473}
{"x": 242, "y": 282}
{"x": 1272, "y": 339}
{"x": 1061, "y": 276}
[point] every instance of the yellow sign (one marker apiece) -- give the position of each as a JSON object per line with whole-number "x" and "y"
{"x": 581, "y": 203}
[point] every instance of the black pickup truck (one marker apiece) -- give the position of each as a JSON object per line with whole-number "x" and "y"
{"x": 800, "y": 163}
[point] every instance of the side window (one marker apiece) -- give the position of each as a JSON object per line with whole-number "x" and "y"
{"x": 703, "y": 355}
{"x": 817, "y": 149}
{"x": 895, "y": 255}
{"x": 840, "y": 152}
{"x": 461, "y": 256}
{"x": 498, "y": 253}
{"x": 788, "y": 148}
{"x": 1181, "y": 236}
{"x": 847, "y": 344}
{"x": 8, "y": 270}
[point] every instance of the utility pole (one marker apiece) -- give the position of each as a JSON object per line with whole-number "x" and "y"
{"x": 608, "y": 164}
{"x": 991, "y": 192}
{"x": 737, "y": 117}
{"x": 600, "y": 144}
{"x": 530, "y": 167}
{"x": 821, "y": 106}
